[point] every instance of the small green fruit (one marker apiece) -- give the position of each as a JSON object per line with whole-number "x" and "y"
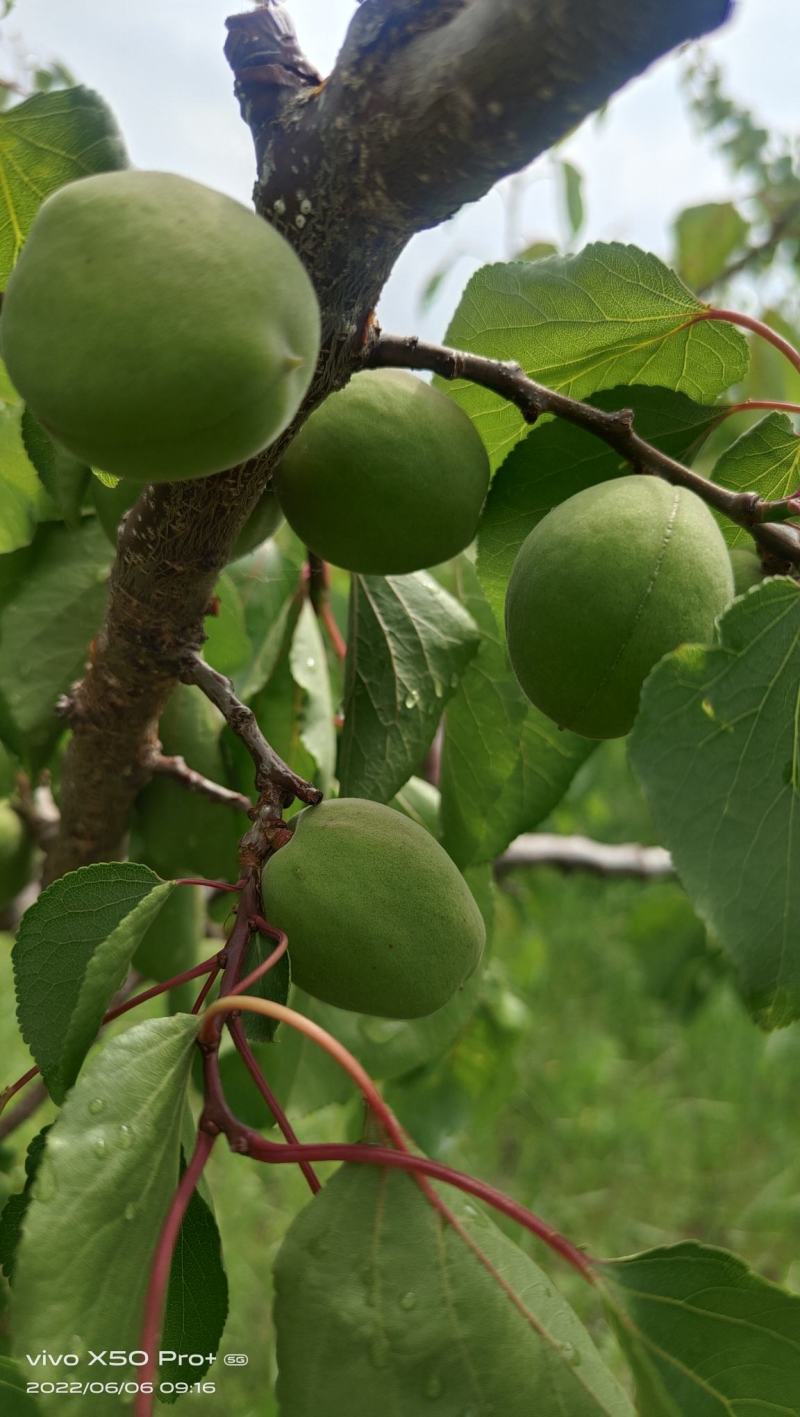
{"x": 158, "y": 329}
{"x": 387, "y": 476}
{"x": 16, "y": 855}
{"x": 607, "y": 583}
{"x": 379, "y": 919}
{"x": 181, "y": 833}
{"x": 111, "y": 504}
{"x": 747, "y": 568}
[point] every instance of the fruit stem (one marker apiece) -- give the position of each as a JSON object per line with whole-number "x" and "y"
{"x": 248, "y": 1058}
{"x": 758, "y": 327}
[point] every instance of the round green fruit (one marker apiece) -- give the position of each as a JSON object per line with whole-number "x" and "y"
{"x": 158, "y": 329}
{"x": 388, "y": 475}
{"x": 16, "y": 855}
{"x": 111, "y": 504}
{"x": 607, "y": 583}
{"x": 379, "y": 919}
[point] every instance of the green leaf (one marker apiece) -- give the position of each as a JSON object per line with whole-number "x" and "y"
{"x": 108, "y": 1174}
{"x": 705, "y": 1335}
{"x": 267, "y": 582}
{"x": 572, "y": 189}
{"x": 387, "y": 1306}
{"x": 197, "y": 1297}
{"x": 63, "y": 477}
{"x": 557, "y": 460}
{"x": 716, "y": 749}
{"x": 45, "y": 633}
{"x": 766, "y": 460}
{"x": 705, "y": 239}
{"x": 16, "y": 1207}
{"x": 504, "y": 765}
{"x": 409, "y": 643}
{"x": 309, "y": 665}
{"x": 73, "y": 950}
{"x": 22, "y": 497}
{"x": 227, "y": 645}
{"x": 535, "y": 250}
{"x": 610, "y": 315}
{"x": 14, "y": 1400}
{"x": 46, "y": 141}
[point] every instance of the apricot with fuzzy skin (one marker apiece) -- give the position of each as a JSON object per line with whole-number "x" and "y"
{"x": 158, "y": 329}
{"x": 387, "y": 476}
{"x": 608, "y": 582}
{"x": 378, "y": 917}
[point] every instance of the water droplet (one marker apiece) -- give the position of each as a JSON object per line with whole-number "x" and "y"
{"x": 124, "y": 1137}
{"x": 708, "y": 708}
{"x": 438, "y": 688}
{"x": 409, "y": 1300}
{"x": 130, "y": 1211}
{"x": 453, "y": 681}
{"x": 311, "y": 663}
{"x": 99, "y": 1148}
{"x": 434, "y": 1387}
{"x": 96, "y": 1106}
{"x": 471, "y": 1212}
{"x": 569, "y": 1353}
{"x": 411, "y": 700}
{"x": 378, "y": 1350}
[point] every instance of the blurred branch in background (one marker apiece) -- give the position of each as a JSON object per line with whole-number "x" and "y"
{"x": 580, "y": 853}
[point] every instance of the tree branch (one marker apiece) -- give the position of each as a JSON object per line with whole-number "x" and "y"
{"x": 616, "y": 429}
{"x": 430, "y": 102}
{"x": 163, "y": 765}
{"x": 271, "y": 770}
{"x": 580, "y": 853}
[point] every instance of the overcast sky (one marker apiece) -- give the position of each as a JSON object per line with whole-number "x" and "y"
{"x": 159, "y": 63}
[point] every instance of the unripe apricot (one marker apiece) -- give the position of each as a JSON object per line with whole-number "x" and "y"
{"x": 16, "y": 855}
{"x": 388, "y": 475}
{"x": 379, "y": 919}
{"x": 608, "y": 582}
{"x": 747, "y": 568}
{"x": 158, "y": 329}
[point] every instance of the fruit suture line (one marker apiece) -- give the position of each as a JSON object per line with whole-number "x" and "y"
{"x": 760, "y": 516}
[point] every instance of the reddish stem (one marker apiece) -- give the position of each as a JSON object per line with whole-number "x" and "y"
{"x": 208, "y": 966}
{"x": 773, "y": 404}
{"x": 749, "y": 322}
{"x": 333, "y": 632}
{"x": 249, "y": 1060}
{"x": 215, "y": 885}
{"x": 271, "y": 960}
{"x": 202, "y": 996}
{"x": 277, "y": 1152}
{"x": 14, "y": 1087}
{"x": 160, "y": 1270}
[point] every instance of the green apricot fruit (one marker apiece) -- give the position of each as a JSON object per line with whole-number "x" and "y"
{"x": 608, "y": 582}
{"x": 111, "y": 504}
{"x": 747, "y": 568}
{"x": 379, "y": 919}
{"x": 16, "y": 855}
{"x": 170, "y": 945}
{"x": 158, "y": 329}
{"x": 179, "y": 832}
{"x": 388, "y": 475}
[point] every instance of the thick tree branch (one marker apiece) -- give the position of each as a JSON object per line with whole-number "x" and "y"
{"x": 615, "y": 429}
{"x": 430, "y": 102}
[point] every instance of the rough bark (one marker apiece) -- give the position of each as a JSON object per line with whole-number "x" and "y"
{"x": 430, "y": 102}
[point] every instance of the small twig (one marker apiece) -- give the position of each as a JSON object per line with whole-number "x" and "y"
{"x": 580, "y": 853}
{"x": 176, "y": 767}
{"x": 751, "y": 254}
{"x": 248, "y": 1058}
{"x": 615, "y": 429}
{"x": 271, "y": 770}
